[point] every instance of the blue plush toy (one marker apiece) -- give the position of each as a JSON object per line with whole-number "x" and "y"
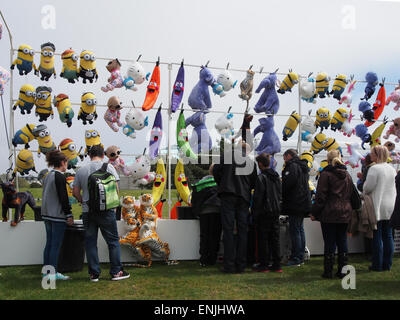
{"x": 200, "y": 141}
{"x": 269, "y": 143}
{"x": 199, "y": 98}
{"x": 366, "y": 110}
{"x": 372, "y": 80}
{"x": 269, "y": 101}
{"x": 362, "y": 133}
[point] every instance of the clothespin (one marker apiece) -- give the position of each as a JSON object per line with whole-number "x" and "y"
{"x": 138, "y": 58}
{"x": 261, "y": 69}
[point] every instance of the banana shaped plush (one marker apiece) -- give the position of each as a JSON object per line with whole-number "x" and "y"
{"x": 160, "y": 181}
{"x": 181, "y": 182}
{"x": 182, "y": 138}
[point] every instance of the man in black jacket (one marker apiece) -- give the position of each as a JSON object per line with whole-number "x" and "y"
{"x": 296, "y": 202}
{"x": 236, "y": 178}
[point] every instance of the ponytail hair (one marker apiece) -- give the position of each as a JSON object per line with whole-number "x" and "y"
{"x": 334, "y": 158}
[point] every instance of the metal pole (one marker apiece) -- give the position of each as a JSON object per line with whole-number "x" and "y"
{"x": 169, "y": 139}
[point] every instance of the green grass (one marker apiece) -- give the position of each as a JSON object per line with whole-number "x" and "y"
{"x": 188, "y": 280}
{"x": 77, "y": 209}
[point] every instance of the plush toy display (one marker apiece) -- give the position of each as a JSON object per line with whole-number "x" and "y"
{"x": 338, "y": 118}
{"x": 70, "y": 186}
{"x": 395, "y": 98}
{"x": 307, "y": 89}
{"x": 131, "y": 218}
{"x": 379, "y": 104}
{"x": 70, "y": 150}
{"x": 92, "y": 138}
{"x": 42, "y": 135}
{"x": 87, "y": 66}
{"x": 308, "y": 128}
{"x": 224, "y": 125}
{"x": 113, "y": 155}
{"x": 156, "y": 135}
{"x": 308, "y": 157}
{"x": 291, "y": 125}
{"x": 346, "y": 126}
{"x": 367, "y": 112}
{"x": 153, "y": 88}
{"x": 24, "y": 136}
{"x": 26, "y": 99}
{"x": 289, "y": 82}
{"x": 347, "y": 98}
{"x": 323, "y": 118}
{"x": 24, "y": 163}
{"x": 269, "y": 101}
{"x": 319, "y": 143}
{"x": 394, "y": 129}
{"x": 182, "y": 139}
{"x": 339, "y": 85}
{"x": 224, "y": 83}
{"x": 87, "y": 111}
{"x": 64, "y": 108}
{"x": 362, "y": 132}
{"x": 43, "y": 103}
{"x": 160, "y": 181}
{"x": 115, "y": 80}
{"x": 322, "y": 84}
{"x": 140, "y": 170}
{"x": 4, "y": 78}
{"x": 354, "y": 150}
{"x": 135, "y": 76}
{"x": 46, "y": 66}
{"x": 113, "y": 114}
{"x": 246, "y": 87}
{"x": 269, "y": 143}
{"x": 372, "y": 82}
{"x": 199, "y": 98}
{"x": 332, "y": 144}
{"x": 70, "y": 66}
{"x": 135, "y": 120}
{"x": 181, "y": 182}
{"x": 200, "y": 141}
{"x": 24, "y": 61}
{"x": 177, "y": 92}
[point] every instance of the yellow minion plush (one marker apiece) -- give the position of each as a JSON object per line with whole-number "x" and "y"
{"x": 290, "y": 80}
{"x": 339, "y": 117}
{"x": 24, "y": 136}
{"x": 323, "y": 117}
{"x": 339, "y": 85}
{"x": 333, "y": 145}
{"x": 70, "y": 185}
{"x": 24, "y": 163}
{"x": 42, "y": 135}
{"x": 24, "y": 61}
{"x": 46, "y": 67}
{"x": 26, "y": 99}
{"x": 92, "y": 138}
{"x": 308, "y": 156}
{"x": 322, "y": 84}
{"x": 324, "y": 163}
{"x": 87, "y": 66}
{"x": 43, "y": 103}
{"x": 319, "y": 143}
{"x": 70, "y": 66}
{"x": 291, "y": 125}
{"x": 65, "y": 111}
{"x": 87, "y": 112}
{"x": 69, "y": 149}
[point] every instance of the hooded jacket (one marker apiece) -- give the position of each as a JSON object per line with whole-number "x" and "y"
{"x": 332, "y": 201}
{"x": 296, "y": 195}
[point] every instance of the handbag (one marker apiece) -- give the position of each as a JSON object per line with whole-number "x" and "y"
{"x": 355, "y": 198}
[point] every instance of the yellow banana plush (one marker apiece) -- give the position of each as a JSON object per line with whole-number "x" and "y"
{"x": 159, "y": 182}
{"x": 181, "y": 182}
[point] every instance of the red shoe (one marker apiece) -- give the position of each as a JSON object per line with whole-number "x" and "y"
{"x": 13, "y": 224}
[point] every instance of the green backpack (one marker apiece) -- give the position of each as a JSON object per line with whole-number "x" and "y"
{"x": 103, "y": 194}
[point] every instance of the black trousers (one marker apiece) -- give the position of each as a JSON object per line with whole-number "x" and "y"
{"x": 210, "y": 236}
{"x": 268, "y": 240}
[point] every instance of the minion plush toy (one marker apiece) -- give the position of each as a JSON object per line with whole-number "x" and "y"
{"x": 24, "y": 60}
{"x": 291, "y": 125}
{"x": 43, "y": 103}
{"x": 308, "y": 156}
{"x": 70, "y": 185}
{"x": 290, "y": 80}
{"x": 323, "y": 117}
{"x": 339, "y": 117}
{"x": 46, "y": 67}
{"x": 63, "y": 105}
{"x": 68, "y": 147}
{"x": 26, "y": 99}
{"x": 24, "y": 163}
{"x": 87, "y": 66}
{"x": 24, "y": 136}
{"x": 324, "y": 163}
{"x": 87, "y": 112}
{"x": 322, "y": 81}
{"x": 70, "y": 66}
{"x": 338, "y": 86}
{"x": 333, "y": 145}
{"x": 319, "y": 143}
{"x": 43, "y": 137}
{"x": 92, "y": 138}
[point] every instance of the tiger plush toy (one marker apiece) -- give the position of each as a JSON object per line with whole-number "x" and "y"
{"x": 129, "y": 215}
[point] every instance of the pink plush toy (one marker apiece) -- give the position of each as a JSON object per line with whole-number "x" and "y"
{"x": 394, "y": 129}
{"x": 113, "y": 115}
{"x": 395, "y": 98}
{"x": 116, "y": 161}
{"x": 115, "y": 80}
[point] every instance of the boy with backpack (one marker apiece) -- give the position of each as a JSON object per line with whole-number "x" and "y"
{"x": 266, "y": 210}
{"x": 98, "y": 182}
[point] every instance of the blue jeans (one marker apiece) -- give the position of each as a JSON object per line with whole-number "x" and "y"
{"x": 296, "y": 230}
{"x": 54, "y": 239}
{"x": 382, "y": 247}
{"x": 108, "y": 226}
{"x": 334, "y": 234}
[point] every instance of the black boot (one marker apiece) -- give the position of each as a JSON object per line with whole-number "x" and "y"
{"x": 329, "y": 260}
{"x": 342, "y": 261}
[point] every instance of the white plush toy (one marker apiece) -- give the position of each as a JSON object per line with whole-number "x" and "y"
{"x": 347, "y": 98}
{"x": 307, "y": 89}
{"x": 308, "y": 128}
{"x": 135, "y": 75}
{"x": 135, "y": 120}
{"x": 224, "y": 83}
{"x": 346, "y": 126}
{"x": 224, "y": 125}
{"x": 355, "y": 154}
{"x": 141, "y": 170}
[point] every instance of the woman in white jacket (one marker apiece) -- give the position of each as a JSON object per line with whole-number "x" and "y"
{"x": 380, "y": 185}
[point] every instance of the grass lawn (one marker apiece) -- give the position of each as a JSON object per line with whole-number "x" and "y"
{"x": 188, "y": 280}
{"x": 77, "y": 210}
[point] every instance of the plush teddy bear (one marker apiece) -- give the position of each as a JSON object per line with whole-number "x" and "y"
{"x": 113, "y": 154}
{"x": 394, "y": 129}
{"x": 113, "y": 114}
{"x": 115, "y": 80}
{"x": 395, "y": 98}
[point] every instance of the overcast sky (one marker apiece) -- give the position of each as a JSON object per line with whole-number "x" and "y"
{"x": 350, "y": 37}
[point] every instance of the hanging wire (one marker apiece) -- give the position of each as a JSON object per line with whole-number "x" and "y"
{"x": 5, "y": 123}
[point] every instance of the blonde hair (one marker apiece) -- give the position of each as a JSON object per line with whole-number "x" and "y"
{"x": 334, "y": 158}
{"x": 381, "y": 153}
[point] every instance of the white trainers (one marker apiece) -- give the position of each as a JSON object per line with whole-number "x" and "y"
{"x": 120, "y": 275}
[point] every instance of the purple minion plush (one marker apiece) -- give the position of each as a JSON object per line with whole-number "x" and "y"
{"x": 372, "y": 82}
{"x": 366, "y": 110}
{"x": 362, "y": 133}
